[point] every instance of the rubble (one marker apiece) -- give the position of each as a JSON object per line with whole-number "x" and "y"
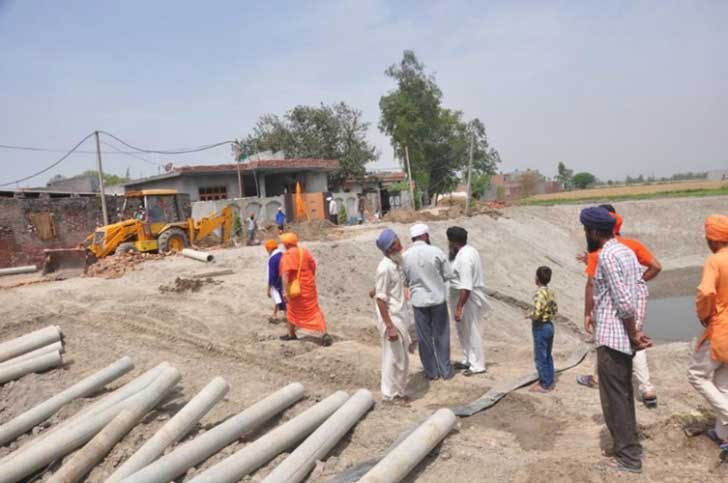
{"x": 117, "y": 265}
{"x": 187, "y": 285}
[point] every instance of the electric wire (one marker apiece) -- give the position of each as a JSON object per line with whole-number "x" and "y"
{"x": 160, "y": 151}
{"x": 133, "y": 155}
{"x": 53, "y": 165}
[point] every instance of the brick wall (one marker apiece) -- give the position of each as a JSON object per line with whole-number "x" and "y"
{"x": 73, "y": 219}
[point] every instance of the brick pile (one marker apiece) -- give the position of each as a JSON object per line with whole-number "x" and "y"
{"x": 117, "y": 265}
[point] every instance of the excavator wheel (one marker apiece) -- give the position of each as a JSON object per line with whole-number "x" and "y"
{"x": 127, "y": 247}
{"x": 172, "y": 240}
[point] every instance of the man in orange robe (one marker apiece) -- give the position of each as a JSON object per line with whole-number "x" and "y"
{"x": 708, "y": 371}
{"x": 303, "y": 311}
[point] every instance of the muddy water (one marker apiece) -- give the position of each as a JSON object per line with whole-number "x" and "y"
{"x": 672, "y": 319}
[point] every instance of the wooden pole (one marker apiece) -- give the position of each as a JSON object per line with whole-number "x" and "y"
{"x": 237, "y": 163}
{"x": 470, "y": 171}
{"x": 101, "y": 179}
{"x": 409, "y": 175}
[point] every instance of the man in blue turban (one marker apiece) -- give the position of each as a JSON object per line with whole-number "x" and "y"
{"x": 392, "y": 314}
{"x": 618, "y": 286}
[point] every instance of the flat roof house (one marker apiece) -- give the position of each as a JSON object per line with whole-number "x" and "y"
{"x": 262, "y": 178}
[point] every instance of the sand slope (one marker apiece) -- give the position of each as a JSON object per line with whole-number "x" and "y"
{"x": 222, "y": 329}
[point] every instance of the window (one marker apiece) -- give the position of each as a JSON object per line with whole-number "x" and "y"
{"x": 213, "y": 193}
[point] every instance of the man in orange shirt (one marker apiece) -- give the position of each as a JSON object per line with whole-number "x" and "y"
{"x": 708, "y": 371}
{"x": 641, "y": 370}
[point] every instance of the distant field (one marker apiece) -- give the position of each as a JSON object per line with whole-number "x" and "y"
{"x": 684, "y": 188}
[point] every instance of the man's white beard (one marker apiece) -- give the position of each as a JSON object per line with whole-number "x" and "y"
{"x": 397, "y": 258}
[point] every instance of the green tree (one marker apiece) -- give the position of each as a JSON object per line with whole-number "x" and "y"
{"x": 564, "y": 176}
{"x": 329, "y": 132}
{"x": 583, "y": 180}
{"x": 436, "y": 138}
{"x": 109, "y": 179}
{"x": 479, "y": 185}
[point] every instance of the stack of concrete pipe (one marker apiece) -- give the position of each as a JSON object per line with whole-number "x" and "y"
{"x": 35, "y": 352}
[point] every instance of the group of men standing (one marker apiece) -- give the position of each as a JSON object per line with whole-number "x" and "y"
{"x": 432, "y": 280}
{"x": 615, "y": 312}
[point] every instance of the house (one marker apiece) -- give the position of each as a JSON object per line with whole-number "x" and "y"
{"x": 260, "y": 178}
{"x": 382, "y": 189}
{"x": 83, "y": 183}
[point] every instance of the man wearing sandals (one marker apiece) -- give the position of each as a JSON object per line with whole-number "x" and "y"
{"x": 708, "y": 371}
{"x": 617, "y": 289}
{"x": 466, "y": 299}
{"x": 298, "y": 267}
{"x": 652, "y": 268}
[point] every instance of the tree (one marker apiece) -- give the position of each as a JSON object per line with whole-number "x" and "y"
{"x": 479, "y": 185}
{"x": 564, "y": 176}
{"x": 329, "y": 132}
{"x": 528, "y": 182}
{"x": 109, "y": 179}
{"x": 583, "y": 180}
{"x": 436, "y": 138}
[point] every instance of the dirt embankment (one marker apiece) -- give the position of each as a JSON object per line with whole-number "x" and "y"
{"x": 222, "y": 329}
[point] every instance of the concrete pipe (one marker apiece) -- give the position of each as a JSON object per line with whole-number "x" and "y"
{"x": 402, "y": 459}
{"x": 59, "y": 444}
{"x": 54, "y": 347}
{"x": 29, "y": 419}
{"x": 18, "y": 270}
{"x": 174, "y": 430}
{"x": 121, "y": 394}
{"x": 36, "y": 364}
{"x": 181, "y": 459}
{"x": 262, "y": 450}
{"x": 29, "y": 342}
{"x": 300, "y": 463}
{"x": 197, "y": 255}
{"x": 87, "y": 457}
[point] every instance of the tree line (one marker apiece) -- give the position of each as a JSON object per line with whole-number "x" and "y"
{"x": 583, "y": 180}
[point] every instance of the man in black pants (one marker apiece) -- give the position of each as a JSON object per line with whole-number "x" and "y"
{"x": 617, "y": 291}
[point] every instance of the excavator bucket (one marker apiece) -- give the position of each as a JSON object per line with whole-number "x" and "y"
{"x": 74, "y": 259}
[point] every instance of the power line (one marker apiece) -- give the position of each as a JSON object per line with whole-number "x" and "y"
{"x": 148, "y": 161}
{"x": 53, "y": 165}
{"x": 176, "y": 151}
{"x": 54, "y": 150}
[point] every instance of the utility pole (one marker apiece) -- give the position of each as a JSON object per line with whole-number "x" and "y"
{"x": 101, "y": 179}
{"x": 470, "y": 172}
{"x": 409, "y": 176}
{"x": 236, "y": 148}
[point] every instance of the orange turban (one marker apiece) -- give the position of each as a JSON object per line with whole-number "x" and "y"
{"x": 271, "y": 245}
{"x": 716, "y": 228}
{"x": 618, "y": 223}
{"x": 289, "y": 239}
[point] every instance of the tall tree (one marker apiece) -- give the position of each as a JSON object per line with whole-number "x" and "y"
{"x": 583, "y": 180}
{"x": 437, "y": 138}
{"x": 330, "y": 132}
{"x": 564, "y": 176}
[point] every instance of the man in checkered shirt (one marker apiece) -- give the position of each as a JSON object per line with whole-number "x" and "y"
{"x": 618, "y": 296}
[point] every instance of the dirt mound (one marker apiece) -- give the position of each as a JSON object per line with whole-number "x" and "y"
{"x": 115, "y": 266}
{"x": 187, "y": 285}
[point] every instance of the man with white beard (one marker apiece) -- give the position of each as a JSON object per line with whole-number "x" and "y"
{"x": 467, "y": 299}
{"x": 392, "y": 317}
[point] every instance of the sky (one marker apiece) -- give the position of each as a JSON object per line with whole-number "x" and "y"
{"x": 615, "y": 88}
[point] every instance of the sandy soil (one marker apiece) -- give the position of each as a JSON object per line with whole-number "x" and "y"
{"x": 222, "y": 328}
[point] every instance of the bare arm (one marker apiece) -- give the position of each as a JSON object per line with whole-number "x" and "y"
{"x": 589, "y": 305}
{"x": 653, "y": 269}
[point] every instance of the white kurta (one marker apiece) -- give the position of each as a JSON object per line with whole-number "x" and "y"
{"x": 389, "y": 287}
{"x": 468, "y": 275}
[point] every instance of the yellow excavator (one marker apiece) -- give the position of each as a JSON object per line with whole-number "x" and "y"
{"x": 153, "y": 221}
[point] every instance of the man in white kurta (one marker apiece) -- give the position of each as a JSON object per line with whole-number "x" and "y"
{"x": 466, "y": 296}
{"x": 393, "y": 319}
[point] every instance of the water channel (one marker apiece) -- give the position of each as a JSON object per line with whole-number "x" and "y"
{"x": 672, "y": 319}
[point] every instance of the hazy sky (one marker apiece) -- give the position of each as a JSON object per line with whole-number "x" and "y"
{"x": 615, "y": 88}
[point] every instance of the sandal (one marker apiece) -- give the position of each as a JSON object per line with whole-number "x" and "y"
{"x": 587, "y": 380}
{"x": 288, "y": 337}
{"x": 538, "y": 388}
{"x": 468, "y": 373}
{"x": 326, "y": 340}
{"x": 650, "y": 402}
{"x": 615, "y": 464}
{"x": 460, "y": 366}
